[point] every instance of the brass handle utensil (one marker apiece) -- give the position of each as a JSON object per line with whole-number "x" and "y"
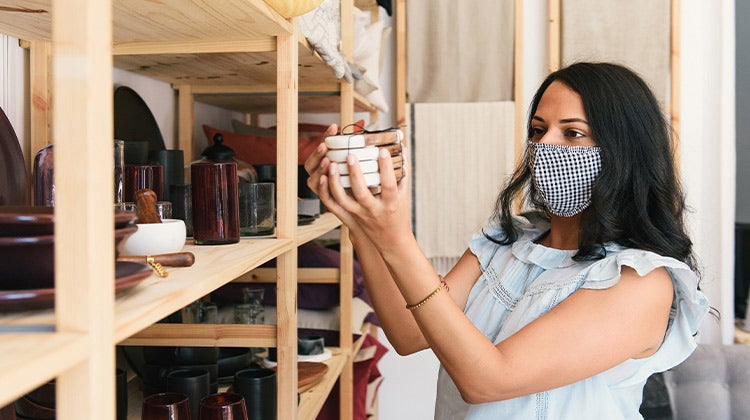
{"x": 158, "y": 268}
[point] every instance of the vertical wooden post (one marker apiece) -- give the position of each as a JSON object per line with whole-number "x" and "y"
{"x": 286, "y": 226}
{"x": 674, "y": 90}
{"x": 554, "y": 34}
{"x": 346, "y": 379}
{"x": 185, "y": 119}
{"x": 400, "y": 62}
{"x": 84, "y": 219}
{"x": 518, "y": 99}
{"x": 41, "y": 97}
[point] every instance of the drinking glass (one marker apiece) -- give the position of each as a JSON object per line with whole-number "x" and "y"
{"x": 200, "y": 312}
{"x": 257, "y": 207}
{"x": 119, "y": 155}
{"x": 253, "y": 296}
{"x": 223, "y": 406}
{"x": 166, "y": 406}
{"x": 251, "y": 312}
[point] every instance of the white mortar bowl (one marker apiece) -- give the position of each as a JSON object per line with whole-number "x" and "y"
{"x": 155, "y": 238}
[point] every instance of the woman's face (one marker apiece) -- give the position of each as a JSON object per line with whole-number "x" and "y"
{"x": 560, "y": 118}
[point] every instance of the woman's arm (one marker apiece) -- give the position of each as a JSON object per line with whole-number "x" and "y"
{"x": 397, "y": 322}
{"x": 588, "y": 333}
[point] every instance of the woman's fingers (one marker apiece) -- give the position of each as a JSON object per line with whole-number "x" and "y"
{"x": 332, "y": 129}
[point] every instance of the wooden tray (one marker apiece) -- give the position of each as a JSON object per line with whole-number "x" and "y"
{"x": 309, "y": 374}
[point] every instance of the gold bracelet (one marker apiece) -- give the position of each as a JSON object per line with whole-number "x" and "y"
{"x": 430, "y": 296}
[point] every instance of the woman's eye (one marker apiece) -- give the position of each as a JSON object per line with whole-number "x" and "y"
{"x": 574, "y": 133}
{"x": 536, "y": 132}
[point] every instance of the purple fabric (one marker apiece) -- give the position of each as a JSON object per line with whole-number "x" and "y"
{"x": 309, "y": 296}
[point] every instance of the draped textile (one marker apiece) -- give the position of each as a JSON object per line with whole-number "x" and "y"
{"x": 459, "y": 51}
{"x": 462, "y": 155}
{"x": 635, "y": 33}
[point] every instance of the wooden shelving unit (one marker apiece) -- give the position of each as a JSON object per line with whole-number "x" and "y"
{"x": 214, "y": 52}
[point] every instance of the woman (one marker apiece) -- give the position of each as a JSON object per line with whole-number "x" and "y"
{"x": 562, "y": 316}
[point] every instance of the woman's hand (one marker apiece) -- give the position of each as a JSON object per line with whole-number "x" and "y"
{"x": 386, "y": 217}
{"x": 317, "y": 163}
{"x": 317, "y": 166}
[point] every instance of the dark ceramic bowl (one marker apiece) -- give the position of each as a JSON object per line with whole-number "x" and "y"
{"x": 28, "y": 262}
{"x": 29, "y": 409}
{"x": 40, "y": 220}
{"x": 43, "y": 395}
{"x": 26, "y": 221}
{"x": 233, "y": 359}
{"x": 184, "y": 355}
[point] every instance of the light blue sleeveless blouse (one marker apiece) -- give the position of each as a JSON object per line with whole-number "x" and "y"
{"x": 523, "y": 281}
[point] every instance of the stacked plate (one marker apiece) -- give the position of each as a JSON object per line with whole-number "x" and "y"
{"x": 27, "y": 250}
{"x": 366, "y": 146}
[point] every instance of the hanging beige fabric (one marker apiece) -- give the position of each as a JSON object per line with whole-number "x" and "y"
{"x": 463, "y": 153}
{"x": 459, "y": 51}
{"x": 635, "y": 33}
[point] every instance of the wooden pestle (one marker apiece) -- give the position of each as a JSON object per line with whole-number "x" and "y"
{"x": 145, "y": 206}
{"x": 175, "y": 259}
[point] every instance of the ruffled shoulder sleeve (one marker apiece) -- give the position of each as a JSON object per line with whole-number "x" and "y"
{"x": 689, "y": 306}
{"x": 485, "y": 249}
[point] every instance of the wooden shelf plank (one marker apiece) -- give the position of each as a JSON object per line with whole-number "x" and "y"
{"x": 312, "y": 400}
{"x": 322, "y": 225}
{"x": 309, "y": 102}
{"x": 156, "y": 298}
{"x": 209, "y": 335}
{"x": 49, "y": 353}
{"x": 165, "y": 20}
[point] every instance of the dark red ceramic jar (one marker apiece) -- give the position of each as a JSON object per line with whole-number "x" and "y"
{"x": 215, "y": 202}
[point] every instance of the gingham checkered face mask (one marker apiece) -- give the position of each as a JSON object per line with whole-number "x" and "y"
{"x": 564, "y": 174}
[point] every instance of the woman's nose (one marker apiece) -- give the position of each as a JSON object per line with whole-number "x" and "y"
{"x": 552, "y": 137}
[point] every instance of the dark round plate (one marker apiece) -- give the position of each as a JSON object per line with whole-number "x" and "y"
{"x": 133, "y": 121}
{"x": 14, "y": 182}
{"x": 129, "y": 274}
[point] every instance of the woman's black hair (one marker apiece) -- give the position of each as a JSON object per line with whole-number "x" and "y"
{"x": 636, "y": 199}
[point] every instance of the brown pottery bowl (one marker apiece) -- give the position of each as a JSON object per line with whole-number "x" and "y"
{"x": 40, "y": 220}
{"x": 27, "y": 262}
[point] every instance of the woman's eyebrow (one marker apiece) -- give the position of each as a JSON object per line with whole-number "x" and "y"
{"x": 572, "y": 120}
{"x": 563, "y": 121}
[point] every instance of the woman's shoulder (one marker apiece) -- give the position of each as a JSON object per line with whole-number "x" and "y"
{"x": 605, "y": 272}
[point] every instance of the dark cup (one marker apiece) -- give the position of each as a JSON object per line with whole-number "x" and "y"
{"x": 224, "y": 406}
{"x": 309, "y": 345}
{"x": 121, "y": 390}
{"x": 258, "y": 387}
{"x": 166, "y": 406}
{"x": 195, "y": 383}
{"x": 138, "y": 177}
{"x": 155, "y": 376}
{"x": 182, "y": 205}
{"x": 135, "y": 152}
{"x": 174, "y": 169}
